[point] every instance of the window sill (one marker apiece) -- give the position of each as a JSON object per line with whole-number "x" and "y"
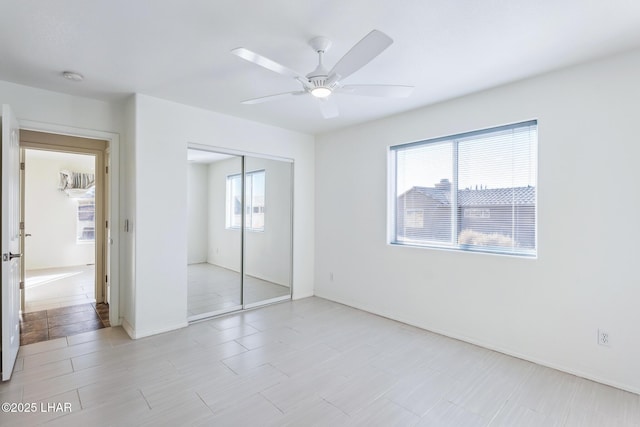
{"x": 463, "y": 249}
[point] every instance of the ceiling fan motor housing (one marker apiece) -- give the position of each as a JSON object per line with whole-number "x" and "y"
{"x": 319, "y": 78}
{"x": 321, "y": 81}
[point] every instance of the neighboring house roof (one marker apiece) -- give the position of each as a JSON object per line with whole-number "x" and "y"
{"x": 436, "y": 194}
{"x": 498, "y": 196}
{"x": 484, "y": 197}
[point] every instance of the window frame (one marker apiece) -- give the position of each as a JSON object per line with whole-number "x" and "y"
{"x": 456, "y": 210}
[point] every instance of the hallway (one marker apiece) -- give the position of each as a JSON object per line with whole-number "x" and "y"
{"x": 60, "y": 302}
{"x": 61, "y": 322}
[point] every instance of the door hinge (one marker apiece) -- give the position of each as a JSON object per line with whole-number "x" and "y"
{"x": 21, "y": 225}
{"x": 106, "y": 279}
{"x": 22, "y": 285}
{"x": 21, "y": 166}
{"x": 106, "y": 169}
{"x": 107, "y": 224}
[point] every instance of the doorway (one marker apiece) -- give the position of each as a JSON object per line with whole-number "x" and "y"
{"x": 63, "y": 187}
{"x": 239, "y": 229}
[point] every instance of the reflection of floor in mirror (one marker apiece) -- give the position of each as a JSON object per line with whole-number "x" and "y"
{"x": 213, "y": 288}
{"x": 59, "y": 287}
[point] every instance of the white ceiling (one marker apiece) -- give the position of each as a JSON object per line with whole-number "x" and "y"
{"x": 179, "y": 50}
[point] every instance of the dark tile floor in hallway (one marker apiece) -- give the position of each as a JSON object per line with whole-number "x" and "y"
{"x": 61, "y": 322}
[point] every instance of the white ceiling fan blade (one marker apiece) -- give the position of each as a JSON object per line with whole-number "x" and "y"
{"x": 328, "y": 107}
{"x": 267, "y": 63}
{"x": 272, "y": 97}
{"x": 386, "y": 91}
{"x": 361, "y": 54}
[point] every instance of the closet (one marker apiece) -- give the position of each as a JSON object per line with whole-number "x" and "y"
{"x": 239, "y": 225}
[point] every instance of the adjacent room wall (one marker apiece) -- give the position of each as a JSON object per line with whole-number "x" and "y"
{"x": 548, "y": 309}
{"x": 50, "y": 214}
{"x": 163, "y": 130}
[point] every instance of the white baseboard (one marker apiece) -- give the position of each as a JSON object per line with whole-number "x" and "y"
{"x": 133, "y": 334}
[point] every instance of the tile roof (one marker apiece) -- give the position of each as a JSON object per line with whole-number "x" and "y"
{"x": 484, "y": 197}
{"x": 437, "y": 194}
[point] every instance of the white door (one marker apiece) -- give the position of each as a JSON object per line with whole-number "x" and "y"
{"x": 10, "y": 236}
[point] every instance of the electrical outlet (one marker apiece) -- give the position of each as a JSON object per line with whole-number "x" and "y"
{"x": 604, "y": 338}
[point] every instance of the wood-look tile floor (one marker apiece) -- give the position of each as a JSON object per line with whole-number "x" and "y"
{"x": 61, "y": 322}
{"x": 300, "y": 363}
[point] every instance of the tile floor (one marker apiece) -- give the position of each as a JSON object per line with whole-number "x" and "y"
{"x": 59, "y": 287}
{"x": 212, "y": 288}
{"x": 299, "y": 363}
{"x": 61, "y": 322}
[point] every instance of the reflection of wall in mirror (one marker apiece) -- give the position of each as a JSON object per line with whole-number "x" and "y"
{"x": 268, "y": 253}
{"x": 197, "y": 213}
{"x": 224, "y": 244}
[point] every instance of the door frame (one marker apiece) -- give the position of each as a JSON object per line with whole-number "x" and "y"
{"x": 73, "y": 145}
{"x": 111, "y": 158}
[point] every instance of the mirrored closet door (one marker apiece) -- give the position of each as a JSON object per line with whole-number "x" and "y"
{"x": 239, "y": 225}
{"x": 267, "y": 237}
{"x": 214, "y": 254}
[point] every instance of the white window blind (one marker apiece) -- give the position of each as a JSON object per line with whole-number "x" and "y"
{"x": 473, "y": 191}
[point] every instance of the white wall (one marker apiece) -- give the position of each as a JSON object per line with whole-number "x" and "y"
{"x": 50, "y": 214}
{"x": 29, "y": 103}
{"x": 128, "y": 287}
{"x": 163, "y": 130}
{"x": 197, "y": 212}
{"x": 546, "y": 310}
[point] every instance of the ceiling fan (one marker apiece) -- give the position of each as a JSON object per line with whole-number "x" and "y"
{"x": 322, "y": 83}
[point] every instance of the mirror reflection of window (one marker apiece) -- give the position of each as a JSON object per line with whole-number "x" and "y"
{"x": 254, "y": 209}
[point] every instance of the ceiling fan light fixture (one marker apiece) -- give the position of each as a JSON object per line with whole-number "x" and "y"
{"x": 320, "y": 92}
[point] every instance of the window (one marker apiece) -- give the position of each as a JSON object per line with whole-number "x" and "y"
{"x": 85, "y": 221}
{"x": 474, "y": 191}
{"x": 254, "y": 209}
